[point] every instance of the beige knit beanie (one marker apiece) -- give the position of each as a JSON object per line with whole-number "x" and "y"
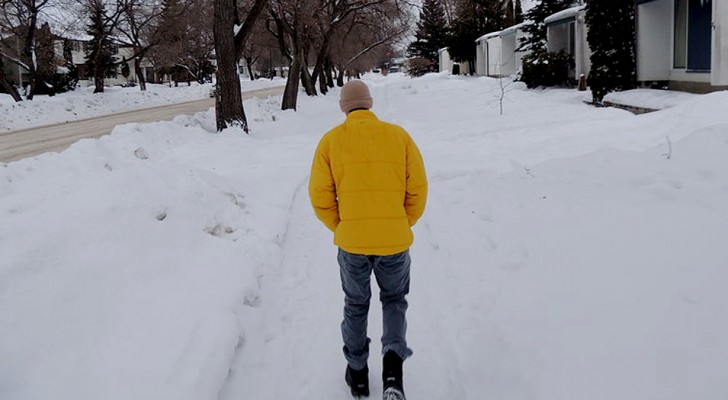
{"x": 355, "y": 94}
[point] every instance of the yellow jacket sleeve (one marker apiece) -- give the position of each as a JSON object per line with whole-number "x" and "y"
{"x": 322, "y": 189}
{"x": 416, "y": 192}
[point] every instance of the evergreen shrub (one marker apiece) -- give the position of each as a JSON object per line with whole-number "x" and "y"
{"x": 541, "y": 68}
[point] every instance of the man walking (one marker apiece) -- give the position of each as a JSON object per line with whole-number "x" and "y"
{"x": 368, "y": 185}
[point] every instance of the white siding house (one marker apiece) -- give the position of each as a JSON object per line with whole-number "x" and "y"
{"x": 683, "y": 43}
{"x": 497, "y": 55}
{"x": 510, "y": 40}
{"x": 489, "y": 58}
{"x": 566, "y": 30}
{"x": 493, "y": 55}
{"x": 446, "y": 63}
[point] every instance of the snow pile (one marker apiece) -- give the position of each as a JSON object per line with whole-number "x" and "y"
{"x": 567, "y": 251}
{"x": 649, "y": 98}
{"x": 80, "y": 104}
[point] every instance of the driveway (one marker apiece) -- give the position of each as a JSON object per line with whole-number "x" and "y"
{"x": 16, "y": 145}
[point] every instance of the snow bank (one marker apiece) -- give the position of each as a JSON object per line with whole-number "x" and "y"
{"x": 80, "y": 104}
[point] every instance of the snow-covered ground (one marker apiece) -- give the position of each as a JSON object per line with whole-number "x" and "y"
{"x": 80, "y": 103}
{"x": 567, "y": 252}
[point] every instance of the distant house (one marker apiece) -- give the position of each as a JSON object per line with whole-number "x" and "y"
{"x": 511, "y": 38}
{"x": 488, "y": 55}
{"x": 12, "y": 71}
{"x": 123, "y": 55}
{"x": 683, "y": 44}
{"x": 496, "y": 53}
{"x": 446, "y": 63}
{"x": 76, "y": 48}
{"x": 566, "y": 30}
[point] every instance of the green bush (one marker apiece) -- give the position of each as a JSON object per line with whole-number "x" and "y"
{"x": 541, "y": 68}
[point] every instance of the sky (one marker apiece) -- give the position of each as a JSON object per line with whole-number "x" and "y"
{"x": 566, "y": 251}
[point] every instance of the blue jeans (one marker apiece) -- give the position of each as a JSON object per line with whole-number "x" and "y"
{"x": 393, "y": 277}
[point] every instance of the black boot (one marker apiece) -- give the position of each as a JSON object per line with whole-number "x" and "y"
{"x": 358, "y": 381}
{"x": 392, "y": 377}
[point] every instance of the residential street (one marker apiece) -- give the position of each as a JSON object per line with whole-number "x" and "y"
{"x": 16, "y": 145}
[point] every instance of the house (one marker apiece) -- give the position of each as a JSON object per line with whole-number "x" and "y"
{"x": 446, "y": 63}
{"x": 488, "y": 55}
{"x": 566, "y": 30}
{"x": 443, "y": 60}
{"x": 123, "y": 55}
{"x": 74, "y": 49}
{"x": 12, "y": 71}
{"x": 496, "y": 53}
{"x": 683, "y": 44}
{"x": 511, "y": 39}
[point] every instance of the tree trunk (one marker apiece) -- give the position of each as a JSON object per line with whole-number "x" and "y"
{"x": 340, "y": 77}
{"x": 98, "y": 81}
{"x": 329, "y": 70}
{"x": 138, "y": 68}
{"x": 321, "y": 79}
{"x": 250, "y": 69}
{"x": 139, "y": 73}
{"x": 290, "y": 94}
{"x": 306, "y": 79}
{"x": 228, "y": 99}
{"x": 29, "y": 52}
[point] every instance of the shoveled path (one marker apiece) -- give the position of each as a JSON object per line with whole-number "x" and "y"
{"x": 16, "y": 145}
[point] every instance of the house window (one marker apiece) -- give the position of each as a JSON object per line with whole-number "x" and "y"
{"x": 693, "y": 33}
{"x": 572, "y": 38}
{"x": 681, "y": 34}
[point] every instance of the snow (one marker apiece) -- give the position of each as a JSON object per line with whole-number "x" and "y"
{"x": 564, "y": 14}
{"x": 80, "y": 104}
{"x": 650, "y": 98}
{"x": 566, "y": 252}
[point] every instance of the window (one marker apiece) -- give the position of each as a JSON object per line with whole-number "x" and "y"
{"x": 693, "y": 35}
{"x": 681, "y": 34}
{"x": 572, "y": 38}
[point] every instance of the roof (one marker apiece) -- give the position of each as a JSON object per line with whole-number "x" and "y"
{"x": 512, "y": 29}
{"x": 565, "y": 15}
{"x": 508, "y": 31}
{"x": 488, "y": 36}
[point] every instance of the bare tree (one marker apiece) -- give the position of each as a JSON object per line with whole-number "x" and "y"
{"x": 140, "y": 25}
{"x": 20, "y": 17}
{"x": 230, "y": 35}
{"x": 293, "y": 23}
{"x": 333, "y": 16}
{"x": 255, "y": 48}
{"x": 368, "y": 34}
{"x": 186, "y": 31}
{"x": 303, "y": 26}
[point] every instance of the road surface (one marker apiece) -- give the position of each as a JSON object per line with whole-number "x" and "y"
{"x": 16, "y": 145}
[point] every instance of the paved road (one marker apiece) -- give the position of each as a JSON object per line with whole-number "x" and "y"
{"x": 16, "y": 145}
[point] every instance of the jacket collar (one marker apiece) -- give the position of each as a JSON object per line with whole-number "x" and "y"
{"x": 359, "y": 115}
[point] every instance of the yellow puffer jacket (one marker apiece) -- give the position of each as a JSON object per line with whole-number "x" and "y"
{"x": 368, "y": 185}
